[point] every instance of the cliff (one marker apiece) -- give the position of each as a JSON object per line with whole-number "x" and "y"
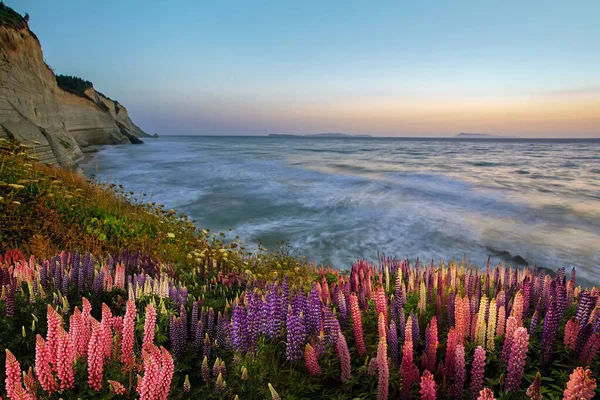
{"x": 33, "y": 108}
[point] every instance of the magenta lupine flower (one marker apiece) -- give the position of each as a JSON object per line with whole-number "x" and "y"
{"x": 450, "y": 354}
{"x": 117, "y": 387}
{"x": 43, "y": 369}
{"x": 128, "y": 341}
{"x": 581, "y": 385}
{"x": 382, "y": 364}
{"x": 54, "y": 324}
{"x": 310, "y": 358}
{"x": 511, "y": 326}
{"x": 343, "y": 355}
{"x": 357, "y": 325}
{"x": 381, "y": 328}
{"x": 590, "y": 350}
{"x": 518, "y": 355}
{"x": 95, "y": 357}
{"x": 427, "y": 391}
{"x": 501, "y": 325}
{"x": 534, "y": 391}
{"x": 571, "y": 331}
{"x": 381, "y": 303}
{"x": 486, "y": 394}
{"x": 477, "y": 371}
{"x": 409, "y": 372}
{"x": 460, "y": 374}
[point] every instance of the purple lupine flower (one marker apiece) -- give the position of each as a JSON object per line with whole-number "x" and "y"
{"x": 526, "y": 296}
{"x": 239, "y": 328}
{"x": 177, "y": 335}
{"x": 561, "y": 300}
{"x": 198, "y": 338}
{"x": 450, "y": 308}
{"x": 561, "y": 273}
{"x": 415, "y": 329}
{"x": 10, "y": 300}
{"x": 296, "y": 333}
{"x": 44, "y": 276}
{"x": 549, "y": 332}
{"x": 582, "y": 337}
{"x": 401, "y": 323}
{"x": 392, "y": 340}
{"x": 274, "y": 314}
{"x": 80, "y": 280}
{"x": 285, "y": 291}
{"x": 204, "y": 319}
{"x": 210, "y": 326}
{"x": 65, "y": 285}
{"x": 584, "y": 308}
{"x": 253, "y": 318}
{"x": 205, "y": 370}
{"x": 460, "y": 373}
{"x": 341, "y": 306}
{"x": 535, "y": 320}
{"x": 222, "y": 322}
{"x": 313, "y": 312}
{"x": 57, "y": 277}
{"x": 518, "y": 356}
{"x": 99, "y": 283}
{"x": 329, "y": 326}
{"x": 194, "y": 321}
{"x": 362, "y": 300}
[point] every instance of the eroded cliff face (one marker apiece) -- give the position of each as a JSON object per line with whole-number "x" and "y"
{"x": 34, "y": 109}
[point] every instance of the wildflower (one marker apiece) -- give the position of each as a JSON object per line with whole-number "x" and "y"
{"x": 478, "y": 370}
{"x": 186, "y": 384}
{"x": 117, "y": 387}
{"x": 427, "y": 391}
{"x": 13, "y": 376}
{"x": 310, "y": 357}
{"x": 384, "y": 373}
{"x": 274, "y": 394}
{"x": 357, "y": 325}
{"x": 343, "y": 355}
{"x": 590, "y": 349}
{"x": 43, "y": 368}
{"x": 392, "y": 340}
{"x": 534, "y": 391}
{"x": 95, "y": 357}
{"x": 127, "y": 356}
{"x": 408, "y": 370}
{"x": 65, "y": 355}
{"x": 149, "y": 325}
{"x": 501, "y": 321}
{"x": 491, "y": 325}
{"x": 460, "y": 372}
{"x": 204, "y": 370}
{"x": 581, "y": 385}
{"x": 486, "y": 394}
{"x": 244, "y": 373}
{"x": 105, "y": 328}
{"x": 518, "y": 356}
{"x": 171, "y": 235}
{"x": 571, "y": 331}
{"x": 511, "y": 326}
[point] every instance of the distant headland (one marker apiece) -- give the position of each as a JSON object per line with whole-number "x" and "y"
{"x": 319, "y": 135}
{"x": 466, "y": 135}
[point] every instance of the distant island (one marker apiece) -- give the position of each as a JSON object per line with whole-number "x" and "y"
{"x": 320, "y": 135}
{"x": 466, "y": 135}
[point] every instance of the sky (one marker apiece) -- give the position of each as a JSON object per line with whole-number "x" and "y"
{"x": 386, "y": 68}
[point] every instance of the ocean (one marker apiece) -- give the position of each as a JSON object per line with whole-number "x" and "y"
{"x": 337, "y": 200}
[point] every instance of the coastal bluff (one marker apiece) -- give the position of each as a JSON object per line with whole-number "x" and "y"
{"x": 35, "y": 110}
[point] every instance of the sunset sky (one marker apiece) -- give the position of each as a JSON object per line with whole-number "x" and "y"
{"x": 397, "y": 68}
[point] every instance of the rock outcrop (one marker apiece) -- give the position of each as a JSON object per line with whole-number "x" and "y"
{"x": 34, "y": 109}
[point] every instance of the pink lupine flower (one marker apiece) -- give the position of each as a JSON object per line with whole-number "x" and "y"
{"x": 381, "y": 303}
{"x": 149, "y": 325}
{"x": 166, "y": 374}
{"x": 460, "y": 373}
{"x": 120, "y": 276}
{"x": 341, "y": 349}
{"x": 518, "y": 355}
{"x": 65, "y": 356}
{"x": 43, "y": 369}
{"x": 511, "y": 326}
{"x": 478, "y": 370}
{"x": 534, "y": 391}
{"x": 581, "y": 385}
{"x": 52, "y": 339}
{"x": 95, "y": 357}
{"x": 381, "y": 328}
{"x": 427, "y": 386}
{"x": 127, "y": 356}
{"x": 433, "y": 344}
{"x": 77, "y": 330}
{"x": 30, "y": 383}
{"x": 517, "y": 309}
{"x": 571, "y": 331}
{"x": 486, "y": 394}
{"x": 117, "y": 387}
{"x": 384, "y": 373}
{"x": 105, "y": 329}
{"x": 459, "y": 319}
{"x": 501, "y": 321}
{"x": 310, "y": 357}
{"x": 357, "y": 325}
{"x": 14, "y": 387}
{"x": 148, "y": 387}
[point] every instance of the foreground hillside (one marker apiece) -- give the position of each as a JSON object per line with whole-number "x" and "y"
{"x": 66, "y": 115}
{"x": 105, "y": 295}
